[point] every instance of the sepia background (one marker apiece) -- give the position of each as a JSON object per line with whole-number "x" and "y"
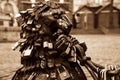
{"x": 96, "y": 22}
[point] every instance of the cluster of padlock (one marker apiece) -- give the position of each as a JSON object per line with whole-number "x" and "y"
{"x": 48, "y": 52}
{"x": 103, "y": 73}
{"x": 38, "y": 26}
{"x": 45, "y": 43}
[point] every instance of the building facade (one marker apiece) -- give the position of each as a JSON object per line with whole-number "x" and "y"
{"x": 78, "y": 3}
{"x": 74, "y": 4}
{"x": 71, "y": 5}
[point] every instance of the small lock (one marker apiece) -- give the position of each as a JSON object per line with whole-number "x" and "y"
{"x": 27, "y": 52}
{"x": 63, "y": 74}
{"x": 59, "y": 43}
{"x": 37, "y": 16}
{"x": 18, "y": 18}
{"x": 23, "y": 13}
{"x": 53, "y": 74}
{"x": 22, "y": 40}
{"x": 30, "y": 10}
{"x": 50, "y": 45}
{"x": 38, "y": 26}
{"x": 16, "y": 46}
{"x": 50, "y": 63}
{"x": 45, "y": 44}
{"x": 24, "y": 25}
{"x": 30, "y": 21}
{"x": 72, "y": 57}
{"x": 41, "y": 53}
{"x": 18, "y": 43}
{"x": 52, "y": 52}
{"x": 43, "y": 63}
{"x": 62, "y": 46}
{"x": 17, "y": 15}
{"x": 37, "y": 44}
{"x": 28, "y": 28}
{"x": 67, "y": 51}
{"x": 46, "y": 13}
{"x": 34, "y": 29}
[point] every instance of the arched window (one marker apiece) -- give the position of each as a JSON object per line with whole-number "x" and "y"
{"x": 8, "y": 8}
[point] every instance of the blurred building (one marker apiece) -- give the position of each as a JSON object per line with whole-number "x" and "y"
{"x": 70, "y": 5}
{"x": 103, "y": 15}
{"x": 8, "y": 10}
{"x": 79, "y": 3}
{"x": 24, "y": 4}
{"x": 73, "y": 5}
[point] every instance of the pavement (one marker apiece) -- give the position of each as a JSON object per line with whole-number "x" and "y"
{"x": 103, "y": 49}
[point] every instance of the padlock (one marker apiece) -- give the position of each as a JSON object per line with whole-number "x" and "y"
{"x": 41, "y": 54}
{"x": 62, "y": 46}
{"x": 67, "y": 51}
{"x": 43, "y": 63}
{"x": 63, "y": 74}
{"x": 72, "y": 57}
{"x": 48, "y": 13}
{"x": 28, "y": 28}
{"x": 52, "y": 52}
{"x": 23, "y": 13}
{"x": 17, "y": 44}
{"x": 45, "y": 44}
{"x": 103, "y": 74}
{"x": 38, "y": 26}
{"x": 31, "y": 11}
{"x": 53, "y": 74}
{"x": 50, "y": 62}
{"x": 38, "y": 44}
{"x": 36, "y": 16}
{"x": 34, "y": 29}
{"x": 50, "y": 45}
{"x": 18, "y": 18}
{"x": 59, "y": 43}
{"x": 24, "y": 25}
{"x": 28, "y": 51}
{"x": 29, "y": 21}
